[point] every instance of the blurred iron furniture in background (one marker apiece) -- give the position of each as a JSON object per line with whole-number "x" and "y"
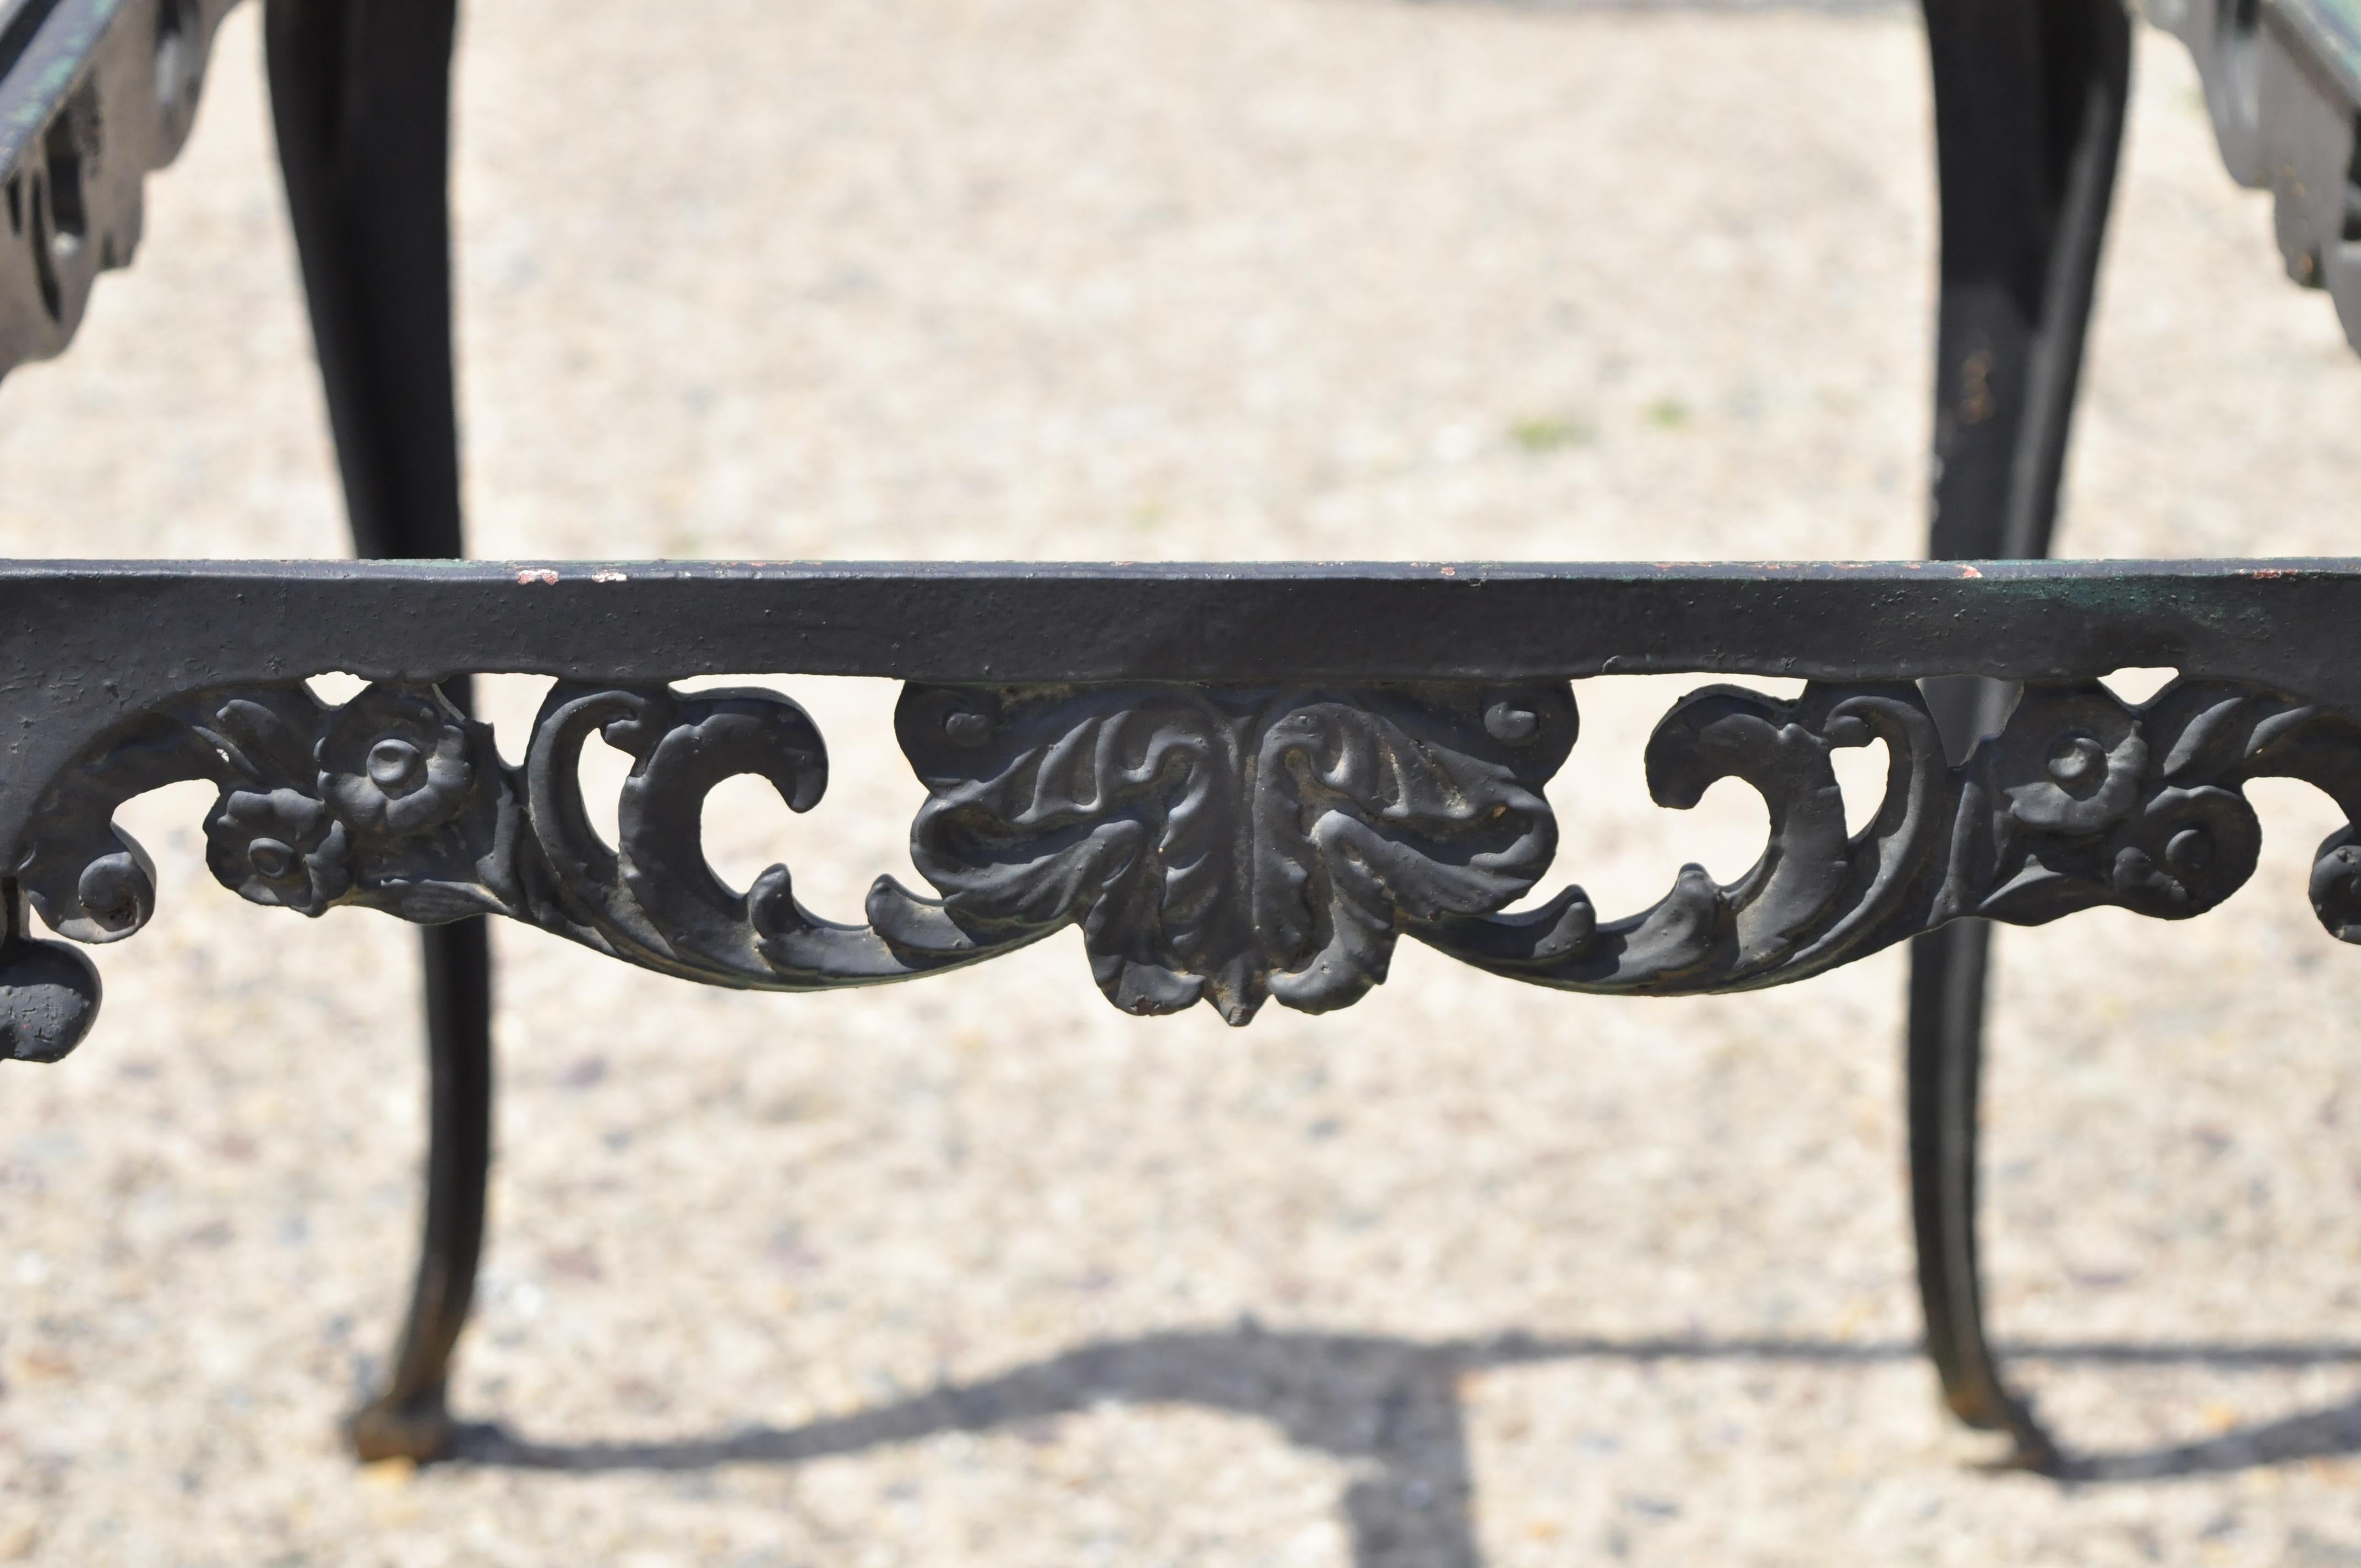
{"x": 1244, "y": 783}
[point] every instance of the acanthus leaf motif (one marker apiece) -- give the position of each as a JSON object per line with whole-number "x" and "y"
{"x": 1230, "y": 845}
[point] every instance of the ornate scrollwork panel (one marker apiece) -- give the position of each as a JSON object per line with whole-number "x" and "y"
{"x": 1222, "y": 844}
{"x": 397, "y": 801}
{"x": 2081, "y": 800}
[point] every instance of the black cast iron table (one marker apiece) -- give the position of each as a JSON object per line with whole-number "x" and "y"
{"x": 1246, "y": 783}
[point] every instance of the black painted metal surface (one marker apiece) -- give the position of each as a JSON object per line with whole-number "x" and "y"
{"x": 360, "y": 93}
{"x": 2029, "y": 104}
{"x": 87, "y": 641}
{"x": 1243, "y": 781}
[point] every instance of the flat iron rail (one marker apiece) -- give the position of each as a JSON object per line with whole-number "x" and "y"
{"x": 87, "y": 645}
{"x": 116, "y": 635}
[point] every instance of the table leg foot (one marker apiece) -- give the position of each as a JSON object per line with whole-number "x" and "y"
{"x": 417, "y": 1427}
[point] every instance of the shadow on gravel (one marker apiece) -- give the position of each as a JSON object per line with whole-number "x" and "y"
{"x": 1393, "y": 1407}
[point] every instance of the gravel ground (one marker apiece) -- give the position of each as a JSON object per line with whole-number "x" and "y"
{"x": 982, "y": 1271}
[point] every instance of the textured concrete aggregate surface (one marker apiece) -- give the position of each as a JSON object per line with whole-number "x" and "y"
{"x": 979, "y": 1270}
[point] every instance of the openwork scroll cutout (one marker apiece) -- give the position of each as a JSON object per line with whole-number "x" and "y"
{"x": 2081, "y": 801}
{"x": 397, "y": 801}
{"x": 1224, "y": 845}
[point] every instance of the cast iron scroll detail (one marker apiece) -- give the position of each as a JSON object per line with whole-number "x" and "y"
{"x": 396, "y": 801}
{"x": 1215, "y": 844}
{"x": 2081, "y": 800}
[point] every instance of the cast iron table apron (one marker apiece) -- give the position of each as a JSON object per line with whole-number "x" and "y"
{"x": 1358, "y": 751}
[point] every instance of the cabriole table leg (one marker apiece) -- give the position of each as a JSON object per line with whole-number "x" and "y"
{"x": 2029, "y": 98}
{"x": 360, "y": 93}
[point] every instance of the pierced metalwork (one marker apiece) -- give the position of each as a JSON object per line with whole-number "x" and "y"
{"x": 2079, "y": 801}
{"x": 1215, "y": 844}
{"x": 397, "y": 801}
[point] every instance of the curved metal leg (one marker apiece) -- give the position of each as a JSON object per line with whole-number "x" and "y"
{"x": 410, "y": 1418}
{"x": 1946, "y": 1059}
{"x": 2028, "y": 120}
{"x": 360, "y": 93}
